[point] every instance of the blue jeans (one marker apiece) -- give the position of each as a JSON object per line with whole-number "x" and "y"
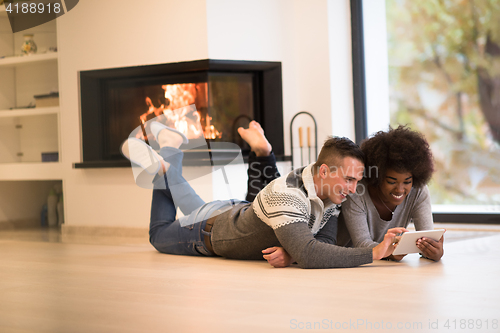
{"x": 171, "y": 191}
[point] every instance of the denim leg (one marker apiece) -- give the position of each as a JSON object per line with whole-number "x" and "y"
{"x": 166, "y": 233}
{"x": 180, "y": 191}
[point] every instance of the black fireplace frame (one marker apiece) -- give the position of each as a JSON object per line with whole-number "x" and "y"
{"x": 268, "y": 101}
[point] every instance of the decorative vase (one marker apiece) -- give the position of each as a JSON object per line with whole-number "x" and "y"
{"x": 29, "y": 46}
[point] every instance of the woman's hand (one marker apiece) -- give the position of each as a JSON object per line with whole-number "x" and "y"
{"x": 387, "y": 246}
{"x": 277, "y": 257}
{"x": 430, "y": 248}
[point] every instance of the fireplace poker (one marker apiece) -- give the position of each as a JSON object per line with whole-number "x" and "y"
{"x": 301, "y": 144}
{"x": 144, "y": 132}
{"x": 309, "y": 145}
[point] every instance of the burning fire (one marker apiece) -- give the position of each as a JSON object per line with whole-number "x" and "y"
{"x": 180, "y": 113}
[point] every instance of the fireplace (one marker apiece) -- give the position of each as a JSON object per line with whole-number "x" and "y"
{"x": 205, "y": 99}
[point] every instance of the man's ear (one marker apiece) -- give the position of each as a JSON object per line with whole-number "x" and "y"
{"x": 323, "y": 171}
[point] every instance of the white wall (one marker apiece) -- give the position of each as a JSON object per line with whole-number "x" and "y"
{"x": 115, "y": 33}
{"x": 121, "y": 33}
{"x": 292, "y": 32}
{"x": 341, "y": 91}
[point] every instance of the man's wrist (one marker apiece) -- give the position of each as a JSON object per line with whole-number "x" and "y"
{"x": 375, "y": 254}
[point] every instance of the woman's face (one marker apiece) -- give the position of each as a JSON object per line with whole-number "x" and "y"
{"x": 396, "y": 186}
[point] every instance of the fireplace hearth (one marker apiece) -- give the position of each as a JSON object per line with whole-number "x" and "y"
{"x": 206, "y": 99}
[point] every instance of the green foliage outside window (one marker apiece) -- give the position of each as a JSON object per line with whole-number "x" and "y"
{"x": 444, "y": 73}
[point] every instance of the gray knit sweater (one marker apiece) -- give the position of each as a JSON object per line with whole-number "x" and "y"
{"x": 364, "y": 224}
{"x": 286, "y": 213}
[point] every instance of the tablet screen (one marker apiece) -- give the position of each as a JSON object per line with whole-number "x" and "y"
{"x": 407, "y": 243}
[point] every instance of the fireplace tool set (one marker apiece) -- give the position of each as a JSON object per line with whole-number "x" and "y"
{"x": 303, "y": 147}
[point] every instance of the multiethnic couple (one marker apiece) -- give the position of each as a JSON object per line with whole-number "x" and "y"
{"x": 323, "y": 215}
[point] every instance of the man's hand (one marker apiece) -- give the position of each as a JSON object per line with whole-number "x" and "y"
{"x": 277, "y": 257}
{"x": 430, "y": 248}
{"x": 387, "y": 246}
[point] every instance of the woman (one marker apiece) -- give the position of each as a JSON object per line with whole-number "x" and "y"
{"x": 399, "y": 164}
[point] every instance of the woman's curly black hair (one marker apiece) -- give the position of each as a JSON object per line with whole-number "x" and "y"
{"x": 401, "y": 150}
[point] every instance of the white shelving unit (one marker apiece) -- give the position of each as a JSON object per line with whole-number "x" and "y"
{"x": 30, "y": 171}
{"x": 28, "y": 112}
{"x": 26, "y": 131}
{"x": 25, "y": 60}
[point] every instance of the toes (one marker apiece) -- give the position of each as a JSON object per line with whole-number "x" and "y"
{"x": 255, "y": 124}
{"x": 242, "y": 132}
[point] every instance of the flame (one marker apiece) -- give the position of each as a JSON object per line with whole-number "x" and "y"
{"x": 180, "y": 95}
{"x": 210, "y": 131}
{"x": 179, "y": 114}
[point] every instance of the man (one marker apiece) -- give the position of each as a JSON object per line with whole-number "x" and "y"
{"x": 294, "y": 216}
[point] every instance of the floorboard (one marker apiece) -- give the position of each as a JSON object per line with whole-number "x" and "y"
{"x": 51, "y": 284}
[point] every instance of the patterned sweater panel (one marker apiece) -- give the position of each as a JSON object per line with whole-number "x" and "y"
{"x": 292, "y": 199}
{"x": 276, "y": 205}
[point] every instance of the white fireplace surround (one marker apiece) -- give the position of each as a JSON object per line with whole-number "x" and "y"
{"x": 310, "y": 38}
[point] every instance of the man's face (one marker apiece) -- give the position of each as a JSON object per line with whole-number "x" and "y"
{"x": 337, "y": 183}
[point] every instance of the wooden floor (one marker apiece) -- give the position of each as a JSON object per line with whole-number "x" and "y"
{"x": 51, "y": 284}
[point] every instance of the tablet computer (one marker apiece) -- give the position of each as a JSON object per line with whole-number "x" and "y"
{"x": 407, "y": 243}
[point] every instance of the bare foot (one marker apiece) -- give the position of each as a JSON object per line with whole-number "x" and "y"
{"x": 255, "y": 137}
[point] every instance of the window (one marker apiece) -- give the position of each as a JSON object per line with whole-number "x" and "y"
{"x": 435, "y": 65}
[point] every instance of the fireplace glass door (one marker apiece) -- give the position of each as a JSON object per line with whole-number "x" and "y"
{"x": 222, "y": 103}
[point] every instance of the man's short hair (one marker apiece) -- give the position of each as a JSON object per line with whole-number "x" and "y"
{"x": 335, "y": 149}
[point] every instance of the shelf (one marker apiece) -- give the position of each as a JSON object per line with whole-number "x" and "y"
{"x": 31, "y": 171}
{"x": 28, "y": 112}
{"x": 28, "y": 59}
